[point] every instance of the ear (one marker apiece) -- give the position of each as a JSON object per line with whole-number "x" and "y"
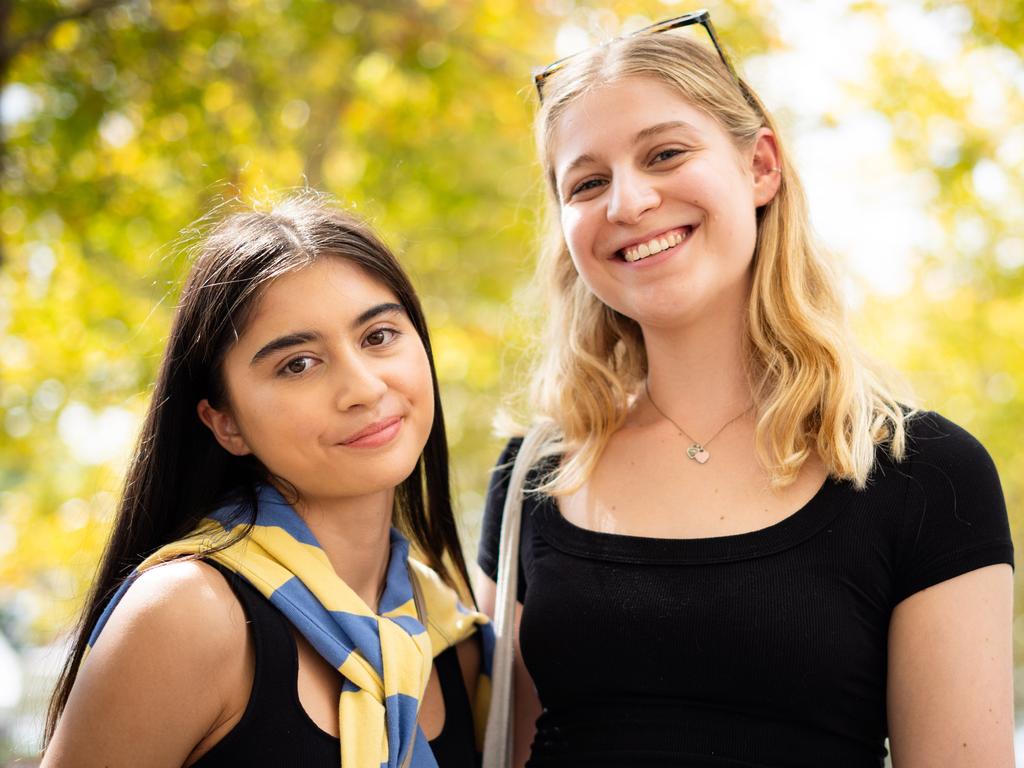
{"x": 224, "y": 428}
{"x": 764, "y": 164}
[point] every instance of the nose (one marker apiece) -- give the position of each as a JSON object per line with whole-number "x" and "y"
{"x": 359, "y": 384}
{"x": 632, "y": 195}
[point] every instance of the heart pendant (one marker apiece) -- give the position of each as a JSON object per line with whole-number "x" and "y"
{"x": 693, "y": 450}
{"x": 701, "y": 457}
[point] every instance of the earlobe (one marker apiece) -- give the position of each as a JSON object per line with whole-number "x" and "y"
{"x": 224, "y": 428}
{"x": 765, "y": 166}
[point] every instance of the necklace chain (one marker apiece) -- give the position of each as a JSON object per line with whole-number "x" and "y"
{"x": 697, "y": 450}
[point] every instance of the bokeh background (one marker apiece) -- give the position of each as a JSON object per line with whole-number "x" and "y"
{"x": 123, "y": 122}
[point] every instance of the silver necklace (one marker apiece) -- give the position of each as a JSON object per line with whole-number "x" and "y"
{"x": 697, "y": 451}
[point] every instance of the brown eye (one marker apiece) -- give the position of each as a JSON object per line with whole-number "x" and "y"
{"x": 381, "y": 336}
{"x": 297, "y": 365}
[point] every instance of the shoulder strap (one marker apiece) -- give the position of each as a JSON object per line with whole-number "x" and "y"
{"x": 498, "y": 738}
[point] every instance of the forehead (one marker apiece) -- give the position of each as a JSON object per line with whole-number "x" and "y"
{"x": 608, "y": 116}
{"x": 328, "y": 291}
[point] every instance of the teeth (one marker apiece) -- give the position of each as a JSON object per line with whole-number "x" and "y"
{"x": 655, "y": 245}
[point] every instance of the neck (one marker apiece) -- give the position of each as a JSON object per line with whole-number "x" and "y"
{"x": 696, "y": 373}
{"x": 354, "y": 533}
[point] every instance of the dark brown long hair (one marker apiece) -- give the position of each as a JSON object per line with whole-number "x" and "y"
{"x": 179, "y": 473}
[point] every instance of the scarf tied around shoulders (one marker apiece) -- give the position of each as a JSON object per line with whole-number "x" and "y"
{"x": 385, "y": 657}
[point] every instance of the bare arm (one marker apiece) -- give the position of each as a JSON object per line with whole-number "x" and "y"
{"x": 165, "y": 678}
{"x": 950, "y": 686}
{"x": 527, "y": 705}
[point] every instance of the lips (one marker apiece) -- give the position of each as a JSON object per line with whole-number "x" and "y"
{"x": 653, "y": 244}
{"x": 375, "y": 434}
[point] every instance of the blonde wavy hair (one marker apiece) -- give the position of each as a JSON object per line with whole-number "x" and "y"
{"x": 813, "y": 389}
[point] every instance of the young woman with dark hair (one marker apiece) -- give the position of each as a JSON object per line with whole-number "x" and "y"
{"x": 293, "y": 451}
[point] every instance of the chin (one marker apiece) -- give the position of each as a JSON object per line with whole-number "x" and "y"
{"x": 669, "y": 319}
{"x": 662, "y": 313}
{"x": 352, "y": 480}
{"x": 371, "y": 480}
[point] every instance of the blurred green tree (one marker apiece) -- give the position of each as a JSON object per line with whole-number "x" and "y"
{"x": 127, "y": 121}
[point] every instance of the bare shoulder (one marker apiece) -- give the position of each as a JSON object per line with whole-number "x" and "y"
{"x": 181, "y": 599}
{"x": 170, "y": 668}
{"x": 184, "y": 584}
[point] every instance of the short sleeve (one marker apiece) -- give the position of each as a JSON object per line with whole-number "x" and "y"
{"x": 955, "y": 515}
{"x": 490, "y": 533}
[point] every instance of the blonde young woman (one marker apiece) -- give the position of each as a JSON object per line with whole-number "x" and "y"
{"x": 745, "y": 550}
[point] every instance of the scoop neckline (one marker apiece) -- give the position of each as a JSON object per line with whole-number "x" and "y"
{"x": 815, "y": 515}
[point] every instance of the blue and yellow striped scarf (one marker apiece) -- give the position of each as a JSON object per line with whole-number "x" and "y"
{"x": 385, "y": 658}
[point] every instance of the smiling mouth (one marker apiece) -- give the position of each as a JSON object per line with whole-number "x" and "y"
{"x": 376, "y": 434}
{"x": 655, "y": 245}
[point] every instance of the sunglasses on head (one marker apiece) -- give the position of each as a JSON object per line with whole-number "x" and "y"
{"x": 701, "y": 17}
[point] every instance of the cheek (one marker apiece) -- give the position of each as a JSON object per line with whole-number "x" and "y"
{"x": 425, "y": 390}
{"x": 419, "y": 391}
{"x": 577, "y": 231}
{"x": 574, "y": 229}
{"x": 274, "y": 427}
{"x": 419, "y": 386}
{"x": 744, "y": 231}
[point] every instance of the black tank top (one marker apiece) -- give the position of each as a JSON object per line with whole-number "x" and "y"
{"x": 275, "y": 729}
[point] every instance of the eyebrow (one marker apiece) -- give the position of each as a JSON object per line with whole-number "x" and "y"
{"x": 654, "y": 130}
{"x": 581, "y": 160}
{"x": 388, "y": 307}
{"x": 304, "y": 337}
{"x": 284, "y": 342}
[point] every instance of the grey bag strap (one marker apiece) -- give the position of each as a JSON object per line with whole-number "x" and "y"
{"x": 499, "y": 734}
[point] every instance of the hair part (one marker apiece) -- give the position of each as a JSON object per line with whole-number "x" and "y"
{"x": 812, "y": 387}
{"x": 179, "y": 473}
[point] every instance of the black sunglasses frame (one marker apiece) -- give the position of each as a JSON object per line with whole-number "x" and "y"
{"x": 702, "y": 17}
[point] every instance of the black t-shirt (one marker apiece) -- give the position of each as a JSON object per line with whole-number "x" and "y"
{"x": 760, "y": 649}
